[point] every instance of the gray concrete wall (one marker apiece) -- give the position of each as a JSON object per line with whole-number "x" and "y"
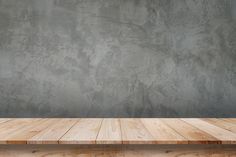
{"x": 117, "y": 58}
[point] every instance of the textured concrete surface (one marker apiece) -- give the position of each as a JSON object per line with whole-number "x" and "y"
{"x": 117, "y": 58}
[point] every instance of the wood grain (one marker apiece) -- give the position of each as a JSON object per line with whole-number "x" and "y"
{"x": 221, "y": 123}
{"x": 118, "y": 151}
{"x": 134, "y": 132}
{"x": 83, "y": 132}
{"x": 117, "y": 131}
{"x": 162, "y": 133}
{"x": 110, "y": 132}
{"x": 230, "y": 120}
{"x": 53, "y": 133}
{"x": 191, "y": 133}
{"x": 21, "y": 135}
{"x": 225, "y": 136}
{"x": 12, "y": 127}
{"x": 3, "y": 120}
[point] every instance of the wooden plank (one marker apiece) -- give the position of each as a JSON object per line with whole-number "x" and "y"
{"x": 225, "y": 136}
{"x": 83, "y": 132}
{"x": 110, "y": 132}
{"x": 11, "y": 127}
{"x": 117, "y": 131}
{"x": 134, "y": 132}
{"x": 3, "y": 120}
{"x": 230, "y": 120}
{"x": 192, "y": 134}
{"x": 180, "y": 151}
{"x": 162, "y": 133}
{"x": 53, "y": 133}
{"x": 221, "y": 123}
{"x": 118, "y": 151}
{"x": 22, "y": 135}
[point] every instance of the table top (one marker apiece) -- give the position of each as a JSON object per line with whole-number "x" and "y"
{"x": 117, "y": 130}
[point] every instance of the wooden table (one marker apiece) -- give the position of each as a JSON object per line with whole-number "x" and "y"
{"x": 117, "y": 136}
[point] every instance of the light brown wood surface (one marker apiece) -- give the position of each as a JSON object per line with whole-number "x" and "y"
{"x": 221, "y": 123}
{"x": 3, "y": 120}
{"x": 225, "y": 136}
{"x": 191, "y": 133}
{"x": 117, "y": 131}
{"x": 83, "y": 132}
{"x": 53, "y": 133}
{"x": 110, "y": 132}
{"x": 10, "y": 128}
{"x": 162, "y": 133}
{"x": 21, "y": 135}
{"x": 118, "y": 150}
{"x": 134, "y": 132}
{"x": 230, "y": 120}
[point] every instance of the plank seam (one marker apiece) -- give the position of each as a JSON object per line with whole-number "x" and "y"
{"x": 28, "y": 140}
{"x": 220, "y": 141}
{"x": 148, "y": 131}
{"x": 218, "y": 126}
{"x": 40, "y": 121}
{"x": 188, "y": 136}
{"x": 120, "y": 131}
{"x": 58, "y": 141}
{"x": 174, "y": 130}
{"x": 221, "y": 126}
{"x": 98, "y": 131}
{"x": 217, "y": 142}
{"x": 12, "y": 132}
{"x": 227, "y": 120}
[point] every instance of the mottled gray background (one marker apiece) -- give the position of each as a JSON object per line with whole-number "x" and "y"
{"x": 117, "y": 58}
